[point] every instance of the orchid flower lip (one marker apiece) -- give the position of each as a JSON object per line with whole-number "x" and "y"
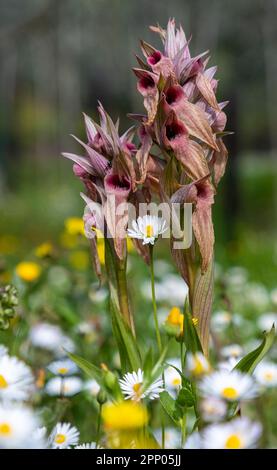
{"x": 146, "y": 83}
{"x": 174, "y": 130}
{"x": 154, "y": 58}
{"x": 115, "y": 182}
{"x": 174, "y": 95}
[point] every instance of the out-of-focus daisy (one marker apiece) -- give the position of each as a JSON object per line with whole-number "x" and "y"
{"x": 132, "y": 387}
{"x": 240, "y": 433}
{"x": 28, "y": 271}
{"x": 173, "y": 380}
{"x": 147, "y": 228}
{"x": 213, "y": 409}
{"x": 221, "y": 320}
{"x": 230, "y": 386}
{"x": 228, "y": 365}
{"x": 87, "y": 445}
{"x": 273, "y": 296}
{"x": 63, "y": 367}
{"x": 232, "y": 350}
{"x": 256, "y": 295}
{"x": 64, "y": 436}
{"x": 92, "y": 387}
{"x": 266, "y": 374}
{"x": 17, "y": 425}
{"x": 236, "y": 276}
{"x": 39, "y": 437}
{"x": 197, "y": 364}
{"x": 3, "y": 350}
{"x": 194, "y": 441}
{"x": 67, "y": 386}
{"x": 16, "y": 379}
{"x": 124, "y": 415}
{"x": 50, "y": 337}
{"x": 267, "y": 320}
{"x": 172, "y": 438}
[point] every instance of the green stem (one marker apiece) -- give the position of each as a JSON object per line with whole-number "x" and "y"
{"x": 98, "y": 426}
{"x": 158, "y": 336}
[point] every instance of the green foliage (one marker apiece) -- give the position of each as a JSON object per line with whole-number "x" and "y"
{"x": 251, "y": 360}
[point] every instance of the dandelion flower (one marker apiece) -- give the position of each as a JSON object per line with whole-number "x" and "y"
{"x": 63, "y": 367}
{"x": 67, "y": 386}
{"x": 17, "y": 425}
{"x": 197, "y": 364}
{"x": 124, "y": 415}
{"x": 147, "y": 228}
{"x": 132, "y": 387}
{"x": 230, "y": 386}
{"x": 240, "y": 433}
{"x": 74, "y": 226}
{"x": 175, "y": 318}
{"x": 266, "y": 374}
{"x": 63, "y": 436}
{"x": 44, "y": 250}
{"x": 16, "y": 379}
{"x": 28, "y": 271}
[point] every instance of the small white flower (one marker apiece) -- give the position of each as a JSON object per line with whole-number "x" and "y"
{"x": 228, "y": 365}
{"x": 133, "y": 388}
{"x": 87, "y": 445}
{"x": 67, "y": 386}
{"x": 39, "y": 437}
{"x": 267, "y": 320}
{"x": 221, "y": 320}
{"x": 16, "y": 379}
{"x": 266, "y": 374}
{"x": 63, "y": 436}
{"x": 3, "y": 350}
{"x": 230, "y": 386}
{"x": 172, "y": 438}
{"x": 213, "y": 409}
{"x": 273, "y": 296}
{"x": 51, "y": 338}
{"x": 17, "y": 425}
{"x": 92, "y": 387}
{"x": 197, "y": 364}
{"x": 232, "y": 350}
{"x": 173, "y": 380}
{"x": 147, "y": 228}
{"x": 194, "y": 441}
{"x": 63, "y": 367}
{"x": 240, "y": 433}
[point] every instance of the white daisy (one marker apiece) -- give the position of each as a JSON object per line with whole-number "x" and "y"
{"x": 63, "y": 436}
{"x": 50, "y": 337}
{"x": 267, "y": 320}
{"x": 230, "y": 386}
{"x": 221, "y": 320}
{"x": 133, "y": 388}
{"x": 147, "y": 228}
{"x": 17, "y": 425}
{"x": 87, "y": 445}
{"x": 172, "y": 438}
{"x": 173, "y": 380}
{"x": 213, "y": 409}
{"x": 92, "y": 387}
{"x": 67, "y": 386}
{"x": 63, "y": 367}
{"x": 240, "y": 433}
{"x": 273, "y": 296}
{"x": 266, "y": 374}
{"x": 39, "y": 437}
{"x": 232, "y": 350}
{"x": 194, "y": 441}
{"x": 228, "y": 365}
{"x": 16, "y": 379}
{"x": 197, "y": 364}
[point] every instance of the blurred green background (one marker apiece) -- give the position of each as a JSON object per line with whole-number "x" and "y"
{"x": 59, "y": 57}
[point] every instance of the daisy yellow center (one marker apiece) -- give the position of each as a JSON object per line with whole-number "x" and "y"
{"x": 3, "y": 382}
{"x": 233, "y": 442}
{"x": 5, "y": 429}
{"x": 176, "y": 381}
{"x": 63, "y": 370}
{"x": 198, "y": 368}
{"x": 149, "y": 231}
{"x": 268, "y": 376}
{"x": 137, "y": 388}
{"x": 60, "y": 438}
{"x": 230, "y": 393}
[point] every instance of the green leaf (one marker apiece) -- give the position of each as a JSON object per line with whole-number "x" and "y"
{"x": 148, "y": 363}
{"x": 185, "y": 398}
{"x": 90, "y": 369}
{"x": 251, "y": 360}
{"x": 171, "y": 408}
{"x": 191, "y": 338}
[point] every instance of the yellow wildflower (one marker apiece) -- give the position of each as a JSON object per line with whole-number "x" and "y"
{"x": 124, "y": 415}
{"x": 79, "y": 260}
{"x": 44, "y": 250}
{"x": 28, "y": 271}
{"x": 176, "y": 318}
{"x": 75, "y": 226}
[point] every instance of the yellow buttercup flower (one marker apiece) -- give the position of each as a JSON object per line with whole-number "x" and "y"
{"x": 44, "y": 250}
{"x": 75, "y": 226}
{"x": 124, "y": 415}
{"x": 28, "y": 271}
{"x": 176, "y": 318}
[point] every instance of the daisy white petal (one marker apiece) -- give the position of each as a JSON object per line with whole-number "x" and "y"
{"x": 240, "y": 433}
{"x": 67, "y": 386}
{"x": 133, "y": 388}
{"x": 266, "y": 374}
{"x": 63, "y": 367}
{"x": 16, "y": 379}
{"x": 230, "y": 386}
{"x": 63, "y": 436}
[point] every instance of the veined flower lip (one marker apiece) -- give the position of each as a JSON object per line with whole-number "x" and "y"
{"x": 175, "y": 130}
{"x": 154, "y": 58}
{"x": 115, "y": 184}
{"x": 174, "y": 94}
